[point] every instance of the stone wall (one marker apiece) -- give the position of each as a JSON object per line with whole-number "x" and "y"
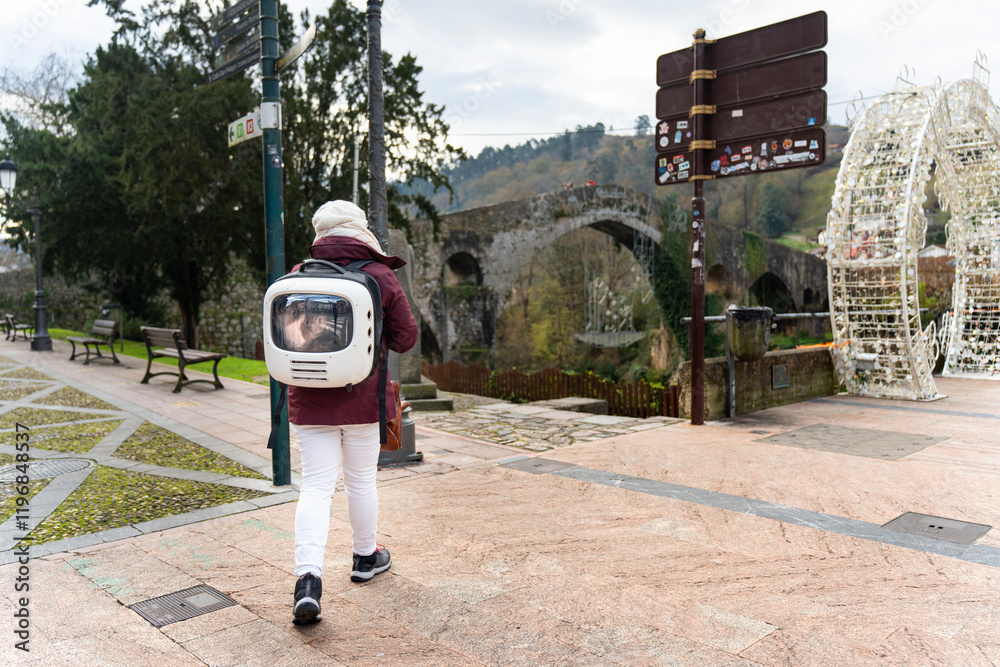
{"x": 68, "y": 306}
{"x": 810, "y": 375}
{"x": 232, "y": 319}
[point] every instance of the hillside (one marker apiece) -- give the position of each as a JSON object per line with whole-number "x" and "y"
{"x": 591, "y": 154}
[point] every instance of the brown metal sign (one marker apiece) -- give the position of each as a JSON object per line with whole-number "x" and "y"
{"x": 786, "y": 38}
{"x": 805, "y": 72}
{"x": 729, "y": 123}
{"x": 777, "y": 152}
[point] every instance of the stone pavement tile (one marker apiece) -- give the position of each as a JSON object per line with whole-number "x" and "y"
{"x": 813, "y": 647}
{"x": 461, "y": 627}
{"x": 122, "y": 646}
{"x": 40, "y": 651}
{"x": 58, "y": 592}
{"x": 208, "y": 624}
{"x": 256, "y": 644}
{"x": 461, "y": 446}
{"x": 394, "y": 474}
{"x": 663, "y": 608}
{"x": 494, "y": 407}
{"x": 268, "y": 539}
{"x": 356, "y": 636}
{"x": 910, "y": 646}
{"x": 574, "y": 611}
{"x": 84, "y": 625}
{"x": 212, "y": 562}
{"x": 563, "y": 415}
{"x": 455, "y": 460}
{"x": 130, "y": 574}
{"x": 347, "y": 633}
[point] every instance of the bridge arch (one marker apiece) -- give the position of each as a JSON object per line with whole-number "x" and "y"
{"x": 877, "y": 225}
{"x": 465, "y": 270}
{"x": 770, "y": 290}
{"x": 462, "y": 269}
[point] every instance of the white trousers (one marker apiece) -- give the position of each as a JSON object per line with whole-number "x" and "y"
{"x": 324, "y": 449}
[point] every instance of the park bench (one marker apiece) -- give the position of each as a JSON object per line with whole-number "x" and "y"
{"x": 170, "y": 343}
{"x": 102, "y": 333}
{"x": 12, "y": 327}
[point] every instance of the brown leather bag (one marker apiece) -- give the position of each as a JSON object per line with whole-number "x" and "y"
{"x": 394, "y": 426}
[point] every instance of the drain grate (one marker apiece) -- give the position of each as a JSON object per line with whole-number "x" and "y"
{"x": 536, "y": 465}
{"x": 44, "y": 468}
{"x": 949, "y": 530}
{"x": 182, "y": 605}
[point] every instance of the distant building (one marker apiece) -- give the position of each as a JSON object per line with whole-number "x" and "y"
{"x": 934, "y": 250}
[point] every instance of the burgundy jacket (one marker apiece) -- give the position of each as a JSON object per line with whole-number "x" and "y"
{"x": 335, "y": 406}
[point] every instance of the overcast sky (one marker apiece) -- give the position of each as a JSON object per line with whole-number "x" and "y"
{"x": 514, "y": 69}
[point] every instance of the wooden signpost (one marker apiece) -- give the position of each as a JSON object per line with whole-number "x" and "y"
{"x": 744, "y": 104}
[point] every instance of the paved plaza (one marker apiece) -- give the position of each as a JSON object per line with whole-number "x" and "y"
{"x": 531, "y": 536}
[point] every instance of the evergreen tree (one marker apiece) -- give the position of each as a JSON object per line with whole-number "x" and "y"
{"x": 772, "y": 214}
{"x": 144, "y": 190}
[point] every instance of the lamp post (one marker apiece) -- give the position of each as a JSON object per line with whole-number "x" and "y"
{"x": 40, "y": 340}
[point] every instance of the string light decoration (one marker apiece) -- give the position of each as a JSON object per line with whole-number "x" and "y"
{"x": 877, "y": 225}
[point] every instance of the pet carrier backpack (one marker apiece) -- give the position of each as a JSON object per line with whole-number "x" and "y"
{"x": 323, "y": 328}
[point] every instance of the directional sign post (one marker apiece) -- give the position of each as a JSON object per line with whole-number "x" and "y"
{"x": 234, "y": 30}
{"x": 233, "y": 23}
{"x": 732, "y": 107}
{"x": 274, "y": 215}
{"x": 289, "y": 56}
{"x": 261, "y": 46}
{"x": 245, "y": 128}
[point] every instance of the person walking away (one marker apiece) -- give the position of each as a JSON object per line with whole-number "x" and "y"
{"x": 339, "y": 427}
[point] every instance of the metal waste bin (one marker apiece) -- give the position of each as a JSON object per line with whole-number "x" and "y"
{"x": 749, "y": 331}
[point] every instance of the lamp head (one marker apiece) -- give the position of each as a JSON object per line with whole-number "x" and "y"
{"x": 8, "y": 175}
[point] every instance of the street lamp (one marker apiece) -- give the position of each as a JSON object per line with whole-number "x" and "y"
{"x": 40, "y": 341}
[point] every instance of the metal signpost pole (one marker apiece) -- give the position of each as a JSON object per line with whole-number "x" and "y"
{"x": 378, "y": 213}
{"x": 697, "y": 332}
{"x": 274, "y": 217}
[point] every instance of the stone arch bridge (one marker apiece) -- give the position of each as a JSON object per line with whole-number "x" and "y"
{"x": 463, "y": 275}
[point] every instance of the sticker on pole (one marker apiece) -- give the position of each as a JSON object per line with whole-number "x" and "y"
{"x": 245, "y": 128}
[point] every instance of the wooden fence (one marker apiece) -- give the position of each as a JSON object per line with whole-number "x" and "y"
{"x": 637, "y": 399}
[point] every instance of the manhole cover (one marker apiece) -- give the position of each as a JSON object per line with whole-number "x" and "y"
{"x": 182, "y": 605}
{"x": 44, "y": 468}
{"x": 949, "y": 530}
{"x": 537, "y": 466}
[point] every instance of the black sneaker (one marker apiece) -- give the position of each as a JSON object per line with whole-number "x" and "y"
{"x": 308, "y": 590}
{"x": 366, "y": 567}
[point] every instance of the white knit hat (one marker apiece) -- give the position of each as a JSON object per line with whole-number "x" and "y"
{"x": 342, "y": 218}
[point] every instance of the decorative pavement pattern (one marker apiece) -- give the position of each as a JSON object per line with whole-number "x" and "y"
{"x": 96, "y": 471}
{"x": 533, "y": 427}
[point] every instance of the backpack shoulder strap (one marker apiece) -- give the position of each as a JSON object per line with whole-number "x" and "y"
{"x": 276, "y": 415}
{"x": 383, "y": 366}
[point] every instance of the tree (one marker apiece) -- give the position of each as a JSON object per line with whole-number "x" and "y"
{"x": 39, "y": 99}
{"x": 642, "y": 126}
{"x": 325, "y": 103}
{"x": 772, "y": 214}
{"x": 145, "y": 190}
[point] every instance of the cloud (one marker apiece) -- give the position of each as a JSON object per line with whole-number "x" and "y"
{"x": 524, "y": 66}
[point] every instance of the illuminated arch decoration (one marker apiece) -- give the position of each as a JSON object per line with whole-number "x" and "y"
{"x": 877, "y": 224}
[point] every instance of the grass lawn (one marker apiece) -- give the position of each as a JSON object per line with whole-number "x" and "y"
{"x": 248, "y": 370}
